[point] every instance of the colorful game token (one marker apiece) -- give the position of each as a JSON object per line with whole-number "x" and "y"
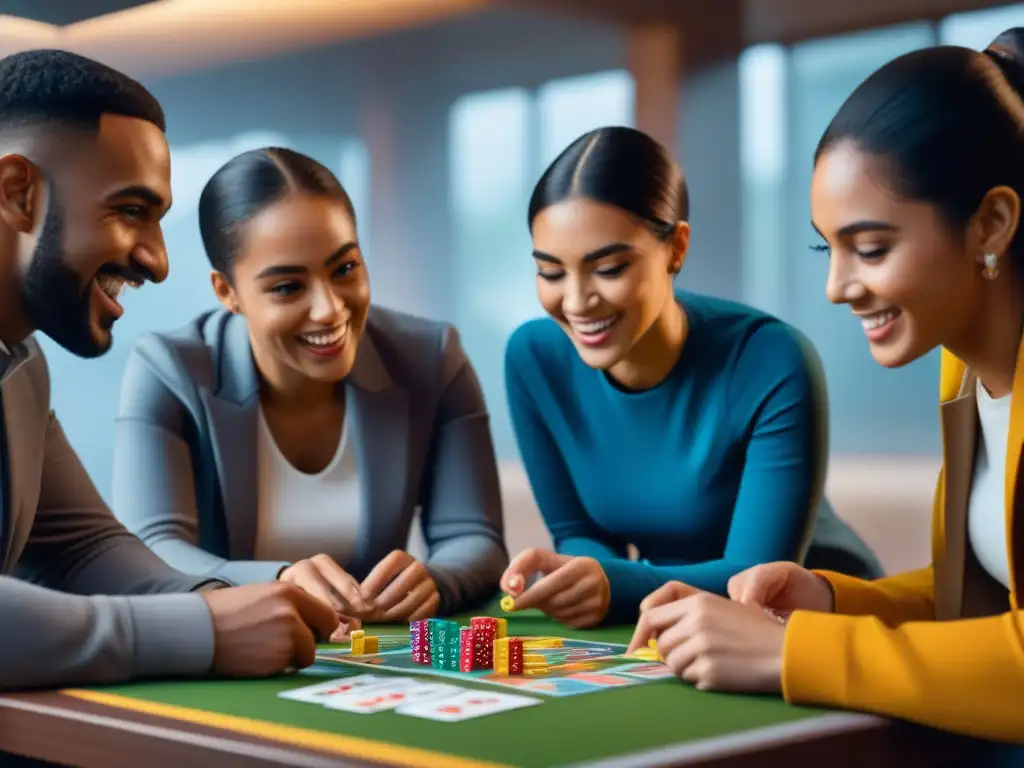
{"x": 508, "y": 603}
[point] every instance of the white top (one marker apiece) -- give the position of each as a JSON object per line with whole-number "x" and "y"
{"x": 300, "y": 514}
{"x": 986, "y": 517}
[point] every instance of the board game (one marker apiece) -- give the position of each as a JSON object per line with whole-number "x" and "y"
{"x": 549, "y": 666}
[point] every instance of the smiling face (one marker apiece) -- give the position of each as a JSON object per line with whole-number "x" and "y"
{"x": 910, "y": 279}
{"x": 603, "y": 276}
{"x": 300, "y": 281}
{"x": 100, "y": 231}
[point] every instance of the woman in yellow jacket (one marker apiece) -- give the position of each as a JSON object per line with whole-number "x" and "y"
{"x": 917, "y": 192}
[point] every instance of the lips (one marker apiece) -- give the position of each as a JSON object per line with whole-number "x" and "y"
{"x": 326, "y": 339}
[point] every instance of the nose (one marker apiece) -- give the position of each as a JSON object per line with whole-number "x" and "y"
{"x": 578, "y": 296}
{"x": 150, "y": 258}
{"x": 325, "y": 305}
{"x": 842, "y": 285}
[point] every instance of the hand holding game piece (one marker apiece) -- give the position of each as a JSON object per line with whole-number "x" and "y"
{"x": 715, "y": 643}
{"x": 323, "y": 578}
{"x": 572, "y": 590}
{"x": 401, "y": 589}
{"x": 346, "y": 626}
{"x": 783, "y": 587}
{"x": 263, "y": 629}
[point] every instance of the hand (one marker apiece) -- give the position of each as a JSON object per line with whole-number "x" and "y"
{"x": 784, "y": 587}
{"x": 323, "y": 578}
{"x": 574, "y": 590}
{"x": 401, "y": 589}
{"x": 263, "y": 629}
{"x": 713, "y": 642}
{"x": 346, "y": 626}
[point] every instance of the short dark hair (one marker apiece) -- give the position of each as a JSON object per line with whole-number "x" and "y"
{"x": 947, "y": 124}
{"x": 622, "y": 167}
{"x": 251, "y": 182}
{"x": 54, "y": 87}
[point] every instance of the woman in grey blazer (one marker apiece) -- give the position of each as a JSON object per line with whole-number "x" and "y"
{"x": 292, "y": 434}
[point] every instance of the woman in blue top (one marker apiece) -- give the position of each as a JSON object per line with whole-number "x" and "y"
{"x": 690, "y": 427}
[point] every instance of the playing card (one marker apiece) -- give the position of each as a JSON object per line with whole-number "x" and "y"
{"x": 319, "y": 692}
{"x": 465, "y": 706}
{"x": 386, "y": 697}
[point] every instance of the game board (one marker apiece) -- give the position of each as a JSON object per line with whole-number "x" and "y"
{"x": 608, "y": 667}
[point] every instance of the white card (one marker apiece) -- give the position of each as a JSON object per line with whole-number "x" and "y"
{"x": 319, "y": 692}
{"x": 387, "y": 697}
{"x": 467, "y": 705}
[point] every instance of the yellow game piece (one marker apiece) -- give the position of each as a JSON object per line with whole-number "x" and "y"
{"x": 647, "y": 654}
{"x": 653, "y": 643}
{"x": 501, "y": 656}
{"x": 502, "y": 629}
{"x": 508, "y": 603}
{"x": 535, "y": 643}
{"x": 371, "y": 644}
{"x": 358, "y": 641}
{"x": 531, "y": 671}
{"x": 534, "y": 658}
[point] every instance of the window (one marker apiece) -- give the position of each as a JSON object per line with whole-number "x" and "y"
{"x": 976, "y": 29}
{"x": 787, "y": 101}
{"x": 500, "y": 142}
{"x": 85, "y": 393}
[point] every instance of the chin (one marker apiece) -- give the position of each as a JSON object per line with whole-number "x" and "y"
{"x": 893, "y": 358}
{"x": 598, "y": 359}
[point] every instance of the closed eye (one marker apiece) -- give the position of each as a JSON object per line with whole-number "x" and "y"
{"x": 550, "y": 275}
{"x": 614, "y": 271}
{"x": 820, "y": 248}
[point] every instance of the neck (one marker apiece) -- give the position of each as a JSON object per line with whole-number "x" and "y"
{"x": 284, "y": 389}
{"x": 14, "y": 323}
{"x": 989, "y": 347}
{"x": 656, "y": 353}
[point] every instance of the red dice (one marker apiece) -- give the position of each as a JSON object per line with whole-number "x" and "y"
{"x": 515, "y": 656}
{"x": 419, "y": 637}
{"x": 484, "y": 630}
{"x": 467, "y": 650}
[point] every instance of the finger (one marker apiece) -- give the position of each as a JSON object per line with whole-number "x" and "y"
{"x": 540, "y": 593}
{"x": 667, "y": 593}
{"x": 570, "y": 599}
{"x": 320, "y": 617}
{"x": 383, "y": 572}
{"x": 683, "y": 660}
{"x": 527, "y": 563}
{"x": 416, "y": 597}
{"x": 757, "y": 585}
{"x": 303, "y": 646}
{"x": 428, "y": 609}
{"x": 414, "y": 575}
{"x": 585, "y": 614}
{"x": 309, "y": 578}
{"x": 655, "y": 621}
{"x": 344, "y": 631}
{"x": 343, "y": 584}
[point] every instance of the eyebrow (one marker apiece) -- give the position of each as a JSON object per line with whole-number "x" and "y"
{"x": 147, "y": 195}
{"x": 857, "y": 227}
{"x": 294, "y": 269}
{"x": 600, "y": 253}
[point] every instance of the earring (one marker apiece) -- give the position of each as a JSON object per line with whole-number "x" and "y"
{"x": 991, "y": 270}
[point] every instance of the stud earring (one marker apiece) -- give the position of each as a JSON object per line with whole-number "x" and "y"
{"x": 991, "y": 270}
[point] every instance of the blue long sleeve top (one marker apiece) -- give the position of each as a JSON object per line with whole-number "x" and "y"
{"x": 718, "y": 468}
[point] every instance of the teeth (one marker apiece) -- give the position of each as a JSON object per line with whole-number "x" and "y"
{"x": 324, "y": 339}
{"x": 870, "y": 322}
{"x": 595, "y": 326}
{"x": 112, "y": 286}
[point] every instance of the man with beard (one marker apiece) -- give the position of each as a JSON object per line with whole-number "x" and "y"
{"x": 84, "y": 183}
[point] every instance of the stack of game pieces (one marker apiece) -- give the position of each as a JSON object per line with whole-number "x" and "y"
{"x": 419, "y": 641}
{"x": 364, "y": 644}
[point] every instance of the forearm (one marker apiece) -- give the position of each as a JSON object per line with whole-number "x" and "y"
{"x": 56, "y": 639}
{"x": 962, "y": 676}
{"x": 466, "y": 570}
{"x": 584, "y": 546}
{"x": 894, "y": 599}
{"x": 199, "y": 563}
{"x": 632, "y": 581}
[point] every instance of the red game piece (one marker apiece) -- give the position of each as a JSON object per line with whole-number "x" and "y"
{"x": 467, "y": 650}
{"x": 515, "y": 655}
{"x": 420, "y": 641}
{"x": 484, "y": 630}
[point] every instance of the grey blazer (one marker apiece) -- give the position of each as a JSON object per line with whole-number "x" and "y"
{"x": 71, "y": 576}
{"x": 186, "y": 459}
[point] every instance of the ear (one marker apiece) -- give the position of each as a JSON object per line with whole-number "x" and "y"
{"x": 679, "y": 241}
{"x": 21, "y": 185}
{"x": 224, "y": 292}
{"x": 993, "y": 226}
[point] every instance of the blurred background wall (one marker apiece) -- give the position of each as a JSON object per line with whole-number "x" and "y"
{"x": 439, "y": 116}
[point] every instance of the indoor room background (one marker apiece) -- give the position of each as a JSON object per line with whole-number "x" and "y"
{"x": 439, "y": 132}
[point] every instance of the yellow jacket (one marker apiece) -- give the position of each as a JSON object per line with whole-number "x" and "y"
{"x": 942, "y": 646}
